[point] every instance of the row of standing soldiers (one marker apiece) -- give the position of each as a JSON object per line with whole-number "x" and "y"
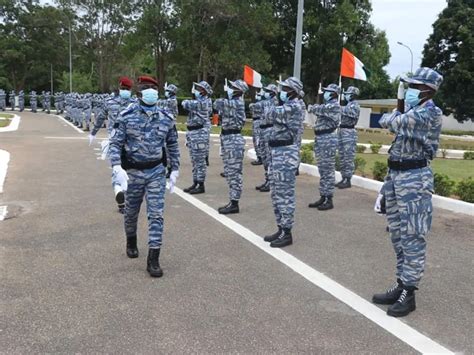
{"x": 44, "y": 99}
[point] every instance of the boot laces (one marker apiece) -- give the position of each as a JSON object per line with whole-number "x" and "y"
{"x": 393, "y": 287}
{"x": 403, "y": 296}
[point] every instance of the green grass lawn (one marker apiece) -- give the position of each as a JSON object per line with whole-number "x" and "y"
{"x": 454, "y": 168}
{"x": 4, "y": 122}
{"x": 5, "y": 115}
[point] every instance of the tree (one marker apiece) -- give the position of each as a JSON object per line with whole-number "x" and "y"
{"x": 450, "y": 50}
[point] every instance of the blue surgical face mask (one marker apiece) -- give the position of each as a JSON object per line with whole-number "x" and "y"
{"x": 258, "y": 97}
{"x": 230, "y": 93}
{"x": 150, "y": 96}
{"x": 412, "y": 97}
{"x": 327, "y": 96}
{"x": 267, "y": 95}
{"x": 125, "y": 94}
{"x": 347, "y": 97}
{"x": 167, "y": 94}
{"x": 197, "y": 95}
{"x": 284, "y": 96}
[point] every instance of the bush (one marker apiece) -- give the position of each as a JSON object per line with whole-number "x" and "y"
{"x": 307, "y": 156}
{"x": 379, "y": 171}
{"x": 465, "y": 190}
{"x": 360, "y": 148}
{"x": 443, "y": 185}
{"x": 247, "y": 132}
{"x": 375, "y": 148}
{"x": 469, "y": 155}
{"x": 444, "y": 153}
{"x": 338, "y": 162}
{"x": 308, "y": 146}
{"x": 360, "y": 164}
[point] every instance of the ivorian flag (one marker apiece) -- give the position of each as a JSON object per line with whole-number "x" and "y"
{"x": 352, "y": 67}
{"x": 252, "y": 78}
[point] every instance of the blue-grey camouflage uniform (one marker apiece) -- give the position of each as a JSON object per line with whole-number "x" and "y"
{"x": 197, "y": 136}
{"x": 232, "y": 113}
{"x": 33, "y": 101}
{"x": 110, "y": 111}
{"x": 3, "y": 97}
{"x": 21, "y": 100}
{"x": 325, "y": 142}
{"x": 285, "y": 158}
{"x": 408, "y": 193}
{"x": 143, "y": 133}
{"x": 256, "y": 110}
{"x": 348, "y": 136}
{"x": 266, "y": 127}
{"x": 11, "y": 99}
{"x": 47, "y": 101}
{"x": 87, "y": 109}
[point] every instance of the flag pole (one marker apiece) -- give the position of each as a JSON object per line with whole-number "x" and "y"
{"x": 340, "y": 86}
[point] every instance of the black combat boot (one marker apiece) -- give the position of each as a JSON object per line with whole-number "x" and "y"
{"x": 153, "y": 263}
{"x": 326, "y": 205}
{"x": 223, "y": 175}
{"x": 405, "y": 303}
{"x": 317, "y": 203}
{"x": 86, "y": 129}
{"x": 132, "y": 250}
{"x": 272, "y": 237}
{"x": 260, "y": 186}
{"x": 207, "y": 160}
{"x": 266, "y": 187}
{"x": 391, "y": 295}
{"x": 257, "y": 162}
{"x": 168, "y": 174}
{"x": 345, "y": 183}
{"x": 199, "y": 189}
{"x": 285, "y": 238}
{"x": 231, "y": 207}
{"x": 192, "y": 187}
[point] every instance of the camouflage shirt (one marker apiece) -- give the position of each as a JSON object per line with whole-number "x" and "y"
{"x": 328, "y": 115}
{"x": 232, "y": 112}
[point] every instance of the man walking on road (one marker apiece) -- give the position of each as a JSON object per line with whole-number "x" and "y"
{"x": 138, "y": 141}
{"x": 33, "y": 101}
{"x": 11, "y": 99}
{"x": 408, "y": 186}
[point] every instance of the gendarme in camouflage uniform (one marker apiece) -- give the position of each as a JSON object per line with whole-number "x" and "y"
{"x": 408, "y": 187}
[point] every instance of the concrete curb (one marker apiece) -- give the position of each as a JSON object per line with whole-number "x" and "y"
{"x": 4, "y": 159}
{"x": 445, "y": 203}
{"x": 14, "y": 124}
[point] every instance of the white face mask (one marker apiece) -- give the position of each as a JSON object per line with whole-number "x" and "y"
{"x": 230, "y": 93}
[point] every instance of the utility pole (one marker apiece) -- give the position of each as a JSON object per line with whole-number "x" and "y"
{"x": 70, "y": 59}
{"x": 52, "y": 88}
{"x": 298, "y": 40}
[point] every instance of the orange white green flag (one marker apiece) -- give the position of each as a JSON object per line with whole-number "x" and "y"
{"x": 252, "y": 78}
{"x": 352, "y": 67}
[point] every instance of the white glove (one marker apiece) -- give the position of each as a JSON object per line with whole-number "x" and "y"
{"x": 121, "y": 176}
{"x": 378, "y": 204}
{"x": 401, "y": 91}
{"x": 91, "y": 139}
{"x": 173, "y": 177}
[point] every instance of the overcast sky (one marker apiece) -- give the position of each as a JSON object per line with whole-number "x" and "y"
{"x": 407, "y": 21}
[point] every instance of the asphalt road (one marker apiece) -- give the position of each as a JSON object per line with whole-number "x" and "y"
{"x": 67, "y": 286}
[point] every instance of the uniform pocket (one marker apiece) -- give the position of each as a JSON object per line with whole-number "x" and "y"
{"x": 419, "y": 214}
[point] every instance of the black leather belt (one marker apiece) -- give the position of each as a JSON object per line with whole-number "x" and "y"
{"x": 282, "y": 143}
{"x": 263, "y": 126}
{"x": 403, "y": 165}
{"x": 194, "y": 128}
{"x": 346, "y": 126}
{"x": 256, "y": 118}
{"x": 324, "y": 131}
{"x": 226, "y": 132}
{"x": 128, "y": 164}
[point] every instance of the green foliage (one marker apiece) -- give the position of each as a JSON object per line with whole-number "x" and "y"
{"x": 452, "y": 132}
{"x": 375, "y": 148}
{"x": 360, "y": 148}
{"x": 81, "y": 82}
{"x": 469, "y": 155}
{"x": 360, "y": 164}
{"x": 307, "y": 156}
{"x": 443, "y": 185}
{"x": 465, "y": 190}
{"x": 379, "y": 171}
{"x": 308, "y": 146}
{"x": 338, "y": 163}
{"x": 450, "y": 50}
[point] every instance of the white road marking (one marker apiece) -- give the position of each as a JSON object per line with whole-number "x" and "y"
{"x": 69, "y": 123}
{"x": 81, "y": 138}
{"x": 394, "y": 326}
{"x": 4, "y": 159}
{"x": 3, "y": 212}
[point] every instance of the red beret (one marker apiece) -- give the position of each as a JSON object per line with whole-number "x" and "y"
{"x": 147, "y": 80}
{"x": 125, "y": 81}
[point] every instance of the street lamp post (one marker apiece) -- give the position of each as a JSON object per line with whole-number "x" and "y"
{"x": 298, "y": 40}
{"x": 70, "y": 59}
{"x": 411, "y": 53}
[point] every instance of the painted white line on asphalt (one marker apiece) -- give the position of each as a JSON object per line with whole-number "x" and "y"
{"x": 4, "y": 159}
{"x": 81, "y": 138}
{"x": 14, "y": 124}
{"x": 69, "y": 123}
{"x": 394, "y": 326}
{"x": 3, "y": 212}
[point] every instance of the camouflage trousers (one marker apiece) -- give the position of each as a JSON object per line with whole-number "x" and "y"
{"x": 266, "y": 134}
{"x": 86, "y": 114}
{"x": 232, "y": 149}
{"x": 150, "y": 183}
{"x": 12, "y": 104}
{"x": 33, "y": 105}
{"x": 256, "y": 138}
{"x": 325, "y": 152}
{"x": 409, "y": 214}
{"x": 284, "y": 162}
{"x": 21, "y": 105}
{"x": 198, "y": 144}
{"x": 48, "y": 107}
{"x": 347, "y": 148}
